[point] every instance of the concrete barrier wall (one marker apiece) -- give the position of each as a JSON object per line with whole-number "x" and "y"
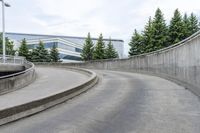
{"x": 19, "y": 80}
{"x": 179, "y": 62}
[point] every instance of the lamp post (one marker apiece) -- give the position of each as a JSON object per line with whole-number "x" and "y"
{"x": 3, "y": 28}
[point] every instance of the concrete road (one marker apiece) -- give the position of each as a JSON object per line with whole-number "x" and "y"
{"x": 120, "y": 103}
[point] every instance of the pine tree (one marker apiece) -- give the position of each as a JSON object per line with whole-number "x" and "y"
{"x": 186, "y": 23}
{"x": 110, "y": 51}
{"x": 29, "y": 57}
{"x": 176, "y": 28}
{"x": 99, "y": 50}
{"x": 147, "y": 37}
{"x": 194, "y": 24}
{"x": 87, "y": 52}
{"x": 9, "y": 46}
{"x": 40, "y": 54}
{"x": 135, "y": 44}
{"x": 54, "y": 54}
{"x": 23, "y": 49}
{"x": 159, "y": 31}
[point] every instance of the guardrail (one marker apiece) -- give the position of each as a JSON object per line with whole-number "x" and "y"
{"x": 12, "y": 59}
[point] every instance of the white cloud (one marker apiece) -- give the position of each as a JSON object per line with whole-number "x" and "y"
{"x": 115, "y": 18}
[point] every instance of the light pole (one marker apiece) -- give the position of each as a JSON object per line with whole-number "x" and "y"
{"x": 3, "y": 28}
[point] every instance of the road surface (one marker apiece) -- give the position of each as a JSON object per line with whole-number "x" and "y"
{"x": 121, "y": 103}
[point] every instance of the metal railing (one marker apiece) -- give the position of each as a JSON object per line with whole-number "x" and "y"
{"x": 12, "y": 60}
{"x": 29, "y": 68}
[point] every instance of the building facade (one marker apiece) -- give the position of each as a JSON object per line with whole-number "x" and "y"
{"x": 69, "y": 47}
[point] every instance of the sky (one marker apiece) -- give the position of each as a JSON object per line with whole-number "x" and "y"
{"x": 113, "y": 18}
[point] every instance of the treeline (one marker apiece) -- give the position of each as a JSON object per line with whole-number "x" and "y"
{"x": 98, "y": 51}
{"x": 157, "y": 34}
{"x": 39, "y": 54}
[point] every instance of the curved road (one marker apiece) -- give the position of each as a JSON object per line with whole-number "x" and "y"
{"x": 120, "y": 103}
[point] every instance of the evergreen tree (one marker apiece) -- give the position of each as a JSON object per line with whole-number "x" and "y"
{"x": 147, "y": 37}
{"x": 135, "y": 44}
{"x": 159, "y": 31}
{"x": 194, "y": 24}
{"x": 99, "y": 50}
{"x": 54, "y": 54}
{"x": 23, "y": 49}
{"x": 176, "y": 28}
{"x": 9, "y": 46}
{"x": 186, "y": 23}
{"x": 87, "y": 52}
{"x": 110, "y": 51}
{"x": 40, "y": 54}
{"x": 29, "y": 57}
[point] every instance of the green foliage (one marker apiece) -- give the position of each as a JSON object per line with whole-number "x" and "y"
{"x": 159, "y": 31}
{"x": 87, "y": 52}
{"x": 110, "y": 51}
{"x": 9, "y": 46}
{"x": 29, "y": 57}
{"x": 99, "y": 50}
{"x": 148, "y": 37}
{"x": 135, "y": 44}
{"x": 54, "y": 54}
{"x": 40, "y": 54}
{"x": 23, "y": 49}
{"x": 186, "y": 23}
{"x": 176, "y": 28}
{"x": 157, "y": 34}
{"x": 194, "y": 24}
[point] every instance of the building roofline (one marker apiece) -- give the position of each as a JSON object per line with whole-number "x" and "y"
{"x": 106, "y": 39}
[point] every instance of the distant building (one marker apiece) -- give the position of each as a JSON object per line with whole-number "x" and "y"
{"x": 69, "y": 47}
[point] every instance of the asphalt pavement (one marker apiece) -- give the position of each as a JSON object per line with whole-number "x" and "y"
{"x": 121, "y": 103}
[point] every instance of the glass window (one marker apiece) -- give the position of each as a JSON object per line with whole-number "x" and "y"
{"x": 78, "y": 50}
{"x": 69, "y": 57}
{"x": 50, "y": 44}
{"x": 31, "y": 46}
{"x": 66, "y": 47}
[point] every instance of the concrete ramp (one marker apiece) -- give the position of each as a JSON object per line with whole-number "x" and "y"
{"x": 52, "y": 86}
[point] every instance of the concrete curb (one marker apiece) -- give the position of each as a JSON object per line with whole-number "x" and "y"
{"x": 27, "y": 109}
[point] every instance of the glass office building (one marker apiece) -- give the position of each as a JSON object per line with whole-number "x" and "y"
{"x": 69, "y": 47}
